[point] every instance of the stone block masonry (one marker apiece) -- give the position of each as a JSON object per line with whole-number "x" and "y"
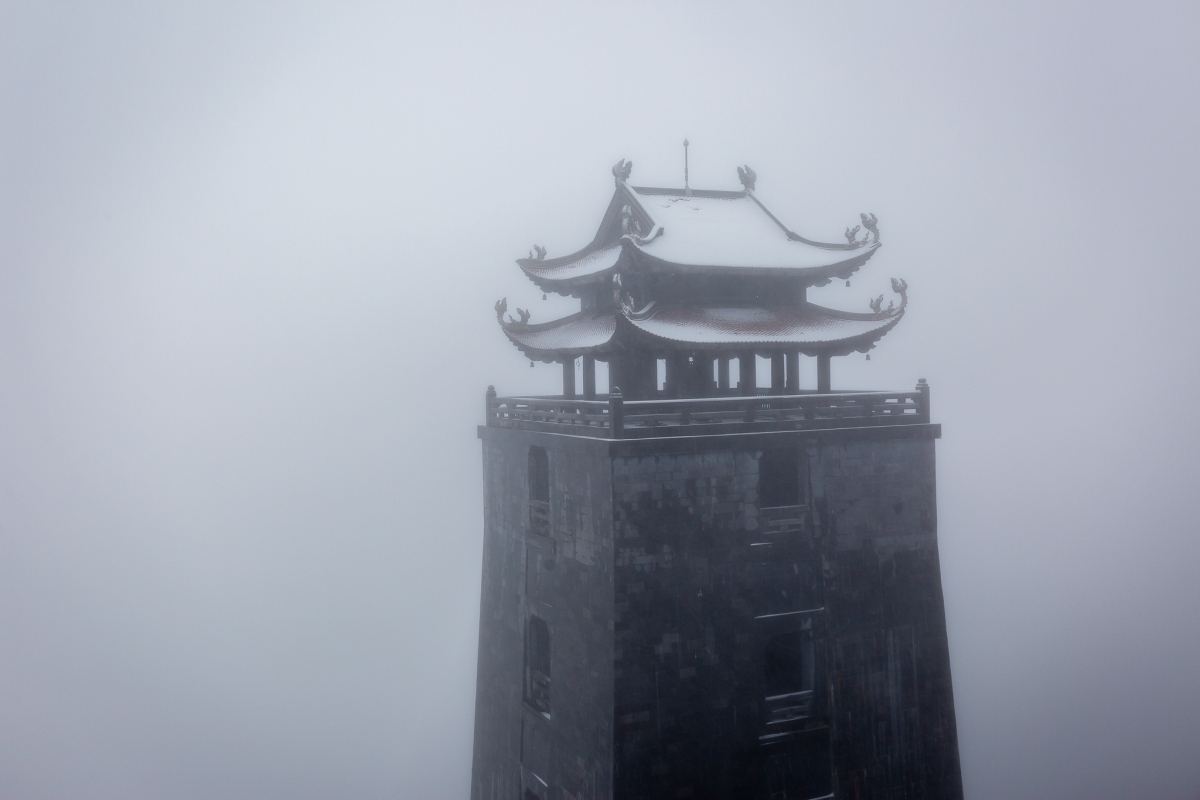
{"x": 703, "y": 645}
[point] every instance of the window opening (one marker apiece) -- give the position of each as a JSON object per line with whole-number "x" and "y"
{"x": 788, "y": 663}
{"x": 762, "y": 372}
{"x": 602, "y": 378}
{"x": 789, "y": 675}
{"x": 537, "y": 665}
{"x": 539, "y": 491}
{"x": 780, "y": 478}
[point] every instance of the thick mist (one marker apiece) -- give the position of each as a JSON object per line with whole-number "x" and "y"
{"x": 248, "y": 256}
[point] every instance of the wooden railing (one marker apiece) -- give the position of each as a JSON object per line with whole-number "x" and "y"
{"x": 616, "y": 418}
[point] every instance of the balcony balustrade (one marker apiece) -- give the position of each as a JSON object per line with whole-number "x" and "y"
{"x": 616, "y": 418}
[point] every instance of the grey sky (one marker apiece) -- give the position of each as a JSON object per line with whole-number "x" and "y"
{"x": 247, "y": 264}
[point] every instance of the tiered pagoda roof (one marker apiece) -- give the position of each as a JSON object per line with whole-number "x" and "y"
{"x": 695, "y": 276}
{"x": 700, "y": 273}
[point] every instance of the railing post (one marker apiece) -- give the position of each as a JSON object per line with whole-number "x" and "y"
{"x": 923, "y": 388}
{"x": 747, "y": 379}
{"x": 616, "y": 413}
{"x": 489, "y": 400}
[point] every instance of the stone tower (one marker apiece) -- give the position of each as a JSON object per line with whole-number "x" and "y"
{"x": 703, "y": 584}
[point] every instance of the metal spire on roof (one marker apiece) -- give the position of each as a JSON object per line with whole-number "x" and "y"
{"x": 686, "y": 189}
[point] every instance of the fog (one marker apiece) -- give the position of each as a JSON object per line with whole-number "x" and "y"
{"x": 248, "y": 256}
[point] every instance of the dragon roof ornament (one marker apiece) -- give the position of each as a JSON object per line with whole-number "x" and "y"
{"x": 899, "y": 287}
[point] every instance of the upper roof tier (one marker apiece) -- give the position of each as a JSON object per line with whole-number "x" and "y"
{"x": 680, "y": 231}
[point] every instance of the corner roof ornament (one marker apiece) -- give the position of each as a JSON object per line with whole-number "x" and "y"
{"x": 621, "y": 171}
{"x": 748, "y": 177}
{"x": 502, "y": 306}
{"x": 871, "y": 223}
{"x": 900, "y": 287}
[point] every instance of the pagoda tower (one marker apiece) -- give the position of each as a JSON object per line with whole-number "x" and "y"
{"x": 707, "y": 583}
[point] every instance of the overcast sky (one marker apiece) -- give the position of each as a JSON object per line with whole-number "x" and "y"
{"x": 248, "y": 255}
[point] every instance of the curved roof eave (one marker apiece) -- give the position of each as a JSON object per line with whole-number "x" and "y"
{"x": 707, "y": 338}
{"x": 818, "y": 276}
{"x": 582, "y": 333}
{"x": 606, "y": 260}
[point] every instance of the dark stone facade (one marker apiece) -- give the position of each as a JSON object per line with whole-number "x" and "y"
{"x": 702, "y": 645}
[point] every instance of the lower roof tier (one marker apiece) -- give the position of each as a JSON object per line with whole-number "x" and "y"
{"x": 805, "y": 328}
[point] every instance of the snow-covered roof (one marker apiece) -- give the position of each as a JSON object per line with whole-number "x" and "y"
{"x": 806, "y": 328}
{"x": 595, "y": 263}
{"x": 734, "y": 231}
{"x": 581, "y": 333}
{"x": 677, "y": 231}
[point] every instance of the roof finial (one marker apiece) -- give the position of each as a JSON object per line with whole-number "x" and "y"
{"x": 621, "y": 171}
{"x": 747, "y": 176}
{"x": 686, "y": 189}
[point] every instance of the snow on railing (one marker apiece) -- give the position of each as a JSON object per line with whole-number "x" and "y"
{"x": 617, "y": 418}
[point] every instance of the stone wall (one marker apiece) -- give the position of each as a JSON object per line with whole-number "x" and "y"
{"x": 696, "y": 564}
{"x": 565, "y": 579}
{"x": 667, "y": 590}
{"x": 894, "y": 730}
{"x": 705, "y": 581}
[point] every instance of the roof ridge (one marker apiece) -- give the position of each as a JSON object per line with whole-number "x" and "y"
{"x": 716, "y": 193}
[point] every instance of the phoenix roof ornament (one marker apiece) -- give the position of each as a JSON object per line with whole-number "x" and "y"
{"x": 622, "y": 170}
{"x": 748, "y": 177}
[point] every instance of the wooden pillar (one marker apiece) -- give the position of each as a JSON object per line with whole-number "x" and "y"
{"x": 569, "y": 378}
{"x": 747, "y": 379}
{"x": 793, "y": 373}
{"x": 722, "y": 373}
{"x": 589, "y": 378}
{"x": 699, "y": 375}
{"x": 777, "y": 373}
{"x": 677, "y": 373}
{"x": 647, "y": 377}
{"x": 616, "y": 412}
{"x": 823, "y": 373}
